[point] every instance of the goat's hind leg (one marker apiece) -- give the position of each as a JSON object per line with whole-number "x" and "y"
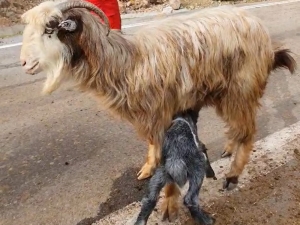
{"x": 237, "y": 166}
{"x": 157, "y": 182}
{"x": 191, "y": 201}
{"x": 241, "y": 119}
{"x": 230, "y": 145}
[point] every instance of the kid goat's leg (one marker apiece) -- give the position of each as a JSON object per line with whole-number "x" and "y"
{"x": 157, "y": 182}
{"x": 191, "y": 200}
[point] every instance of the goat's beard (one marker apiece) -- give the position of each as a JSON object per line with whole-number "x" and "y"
{"x": 56, "y": 75}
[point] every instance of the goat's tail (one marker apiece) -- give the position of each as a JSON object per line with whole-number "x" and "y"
{"x": 283, "y": 59}
{"x": 177, "y": 169}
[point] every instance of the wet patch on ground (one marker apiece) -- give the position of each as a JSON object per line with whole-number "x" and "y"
{"x": 126, "y": 189}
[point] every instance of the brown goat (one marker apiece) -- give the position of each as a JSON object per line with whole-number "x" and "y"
{"x": 218, "y": 57}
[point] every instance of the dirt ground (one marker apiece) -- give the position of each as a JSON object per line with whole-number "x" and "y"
{"x": 11, "y": 10}
{"x": 267, "y": 197}
{"x": 270, "y": 200}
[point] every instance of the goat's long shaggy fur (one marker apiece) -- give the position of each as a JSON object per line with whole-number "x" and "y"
{"x": 218, "y": 57}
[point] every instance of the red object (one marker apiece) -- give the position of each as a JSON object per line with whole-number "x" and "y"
{"x": 111, "y": 10}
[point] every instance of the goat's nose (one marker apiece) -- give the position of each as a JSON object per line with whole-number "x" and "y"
{"x": 23, "y": 62}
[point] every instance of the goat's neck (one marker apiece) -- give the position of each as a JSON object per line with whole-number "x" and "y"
{"x": 110, "y": 67}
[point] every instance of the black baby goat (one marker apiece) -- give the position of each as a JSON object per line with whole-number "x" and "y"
{"x": 184, "y": 158}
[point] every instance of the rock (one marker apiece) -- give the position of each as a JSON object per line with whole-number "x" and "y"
{"x": 4, "y": 4}
{"x": 145, "y": 3}
{"x": 167, "y": 10}
{"x": 9, "y": 14}
{"x": 175, "y": 4}
{"x": 122, "y": 7}
{"x": 17, "y": 5}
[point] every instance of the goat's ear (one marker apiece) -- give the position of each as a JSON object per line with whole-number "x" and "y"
{"x": 67, "y": 25}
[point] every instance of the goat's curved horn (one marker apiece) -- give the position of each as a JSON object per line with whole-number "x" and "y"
{"x": 64, "y": 6}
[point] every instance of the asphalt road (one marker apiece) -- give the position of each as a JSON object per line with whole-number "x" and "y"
{"x": 63, "y": 160}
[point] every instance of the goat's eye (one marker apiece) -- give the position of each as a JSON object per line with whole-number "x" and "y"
{"x": 49, "y": 31}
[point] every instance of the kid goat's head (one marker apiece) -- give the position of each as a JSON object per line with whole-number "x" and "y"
{"x": 53, "y": 38}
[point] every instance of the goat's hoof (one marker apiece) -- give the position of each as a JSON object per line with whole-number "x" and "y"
{"x": 210, "y": 173}
{"x": 226, "y": 154}
{"x": 204, "y": 219}
{"x": 211, "y": 177}
{"x": 208, "y": 220}
{"x": 170, "y": 216}
{"x": 169, "y": 211}
{"x": 145, "y": 172}
{"x": 230, "y": 183}
{"x": 211, "y": 221}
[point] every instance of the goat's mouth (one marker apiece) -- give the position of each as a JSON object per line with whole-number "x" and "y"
{"x": 34, "y": 69}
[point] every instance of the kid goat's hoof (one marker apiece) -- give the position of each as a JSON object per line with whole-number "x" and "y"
{"x": 210, "y": 220}
{"x": 203, "y": 218}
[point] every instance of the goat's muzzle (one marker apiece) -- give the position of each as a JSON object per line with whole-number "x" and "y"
{"x": 23, "y": 62}
{"x": 31, "y": 68}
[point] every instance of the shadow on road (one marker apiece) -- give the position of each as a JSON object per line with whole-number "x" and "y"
{"x": 125, "y": 190}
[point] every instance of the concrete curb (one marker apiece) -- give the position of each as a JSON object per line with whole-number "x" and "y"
{"x": 150, "y": 14}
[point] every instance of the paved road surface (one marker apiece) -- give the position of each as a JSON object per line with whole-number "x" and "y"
{"x": 63, "y": 160}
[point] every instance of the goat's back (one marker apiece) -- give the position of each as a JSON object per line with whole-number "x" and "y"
{"x": 205, "y": 51}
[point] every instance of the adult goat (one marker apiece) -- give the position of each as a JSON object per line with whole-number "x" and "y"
{"x": 218, "y": 57}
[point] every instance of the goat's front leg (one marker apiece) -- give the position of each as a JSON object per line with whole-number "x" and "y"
{"x": 157, "y": 182}
{"x": 153, "y": 159}
{"x": 191, "y": 201}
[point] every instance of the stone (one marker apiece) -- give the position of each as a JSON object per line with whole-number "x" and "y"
{"x": 167, "y": 10}
{"x": 175, "y": 4}
{"x": 4, "y": 4}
